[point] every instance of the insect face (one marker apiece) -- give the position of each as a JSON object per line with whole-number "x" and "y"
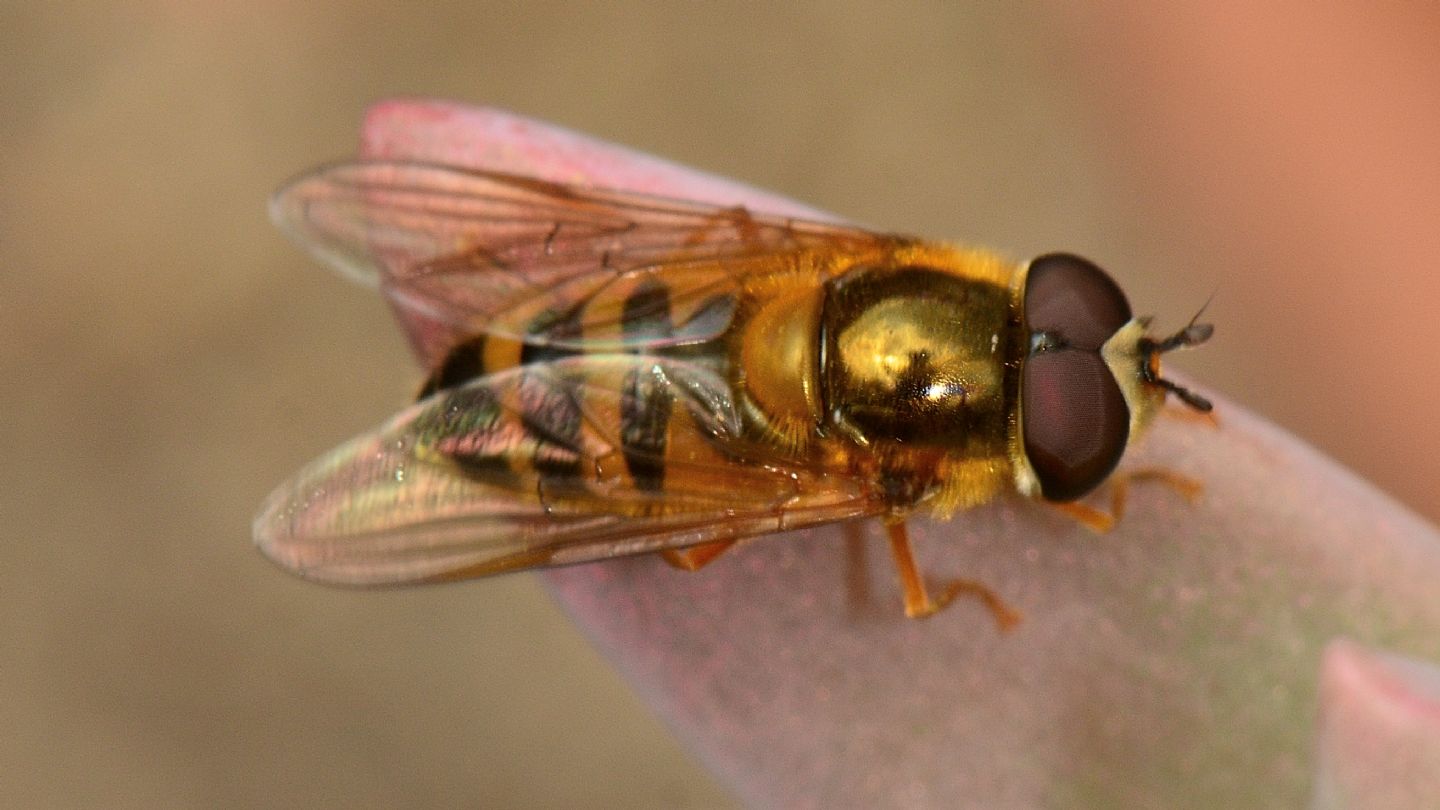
{"x": 1091, "y": 378}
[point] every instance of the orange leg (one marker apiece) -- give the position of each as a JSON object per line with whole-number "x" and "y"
{"x": 1187, "y": 414}
{"x": 918, "y": 603}
{"x": 1101, "y": 522}
{"x": 1096, "y": 520}
{"x": 694, "y": 558}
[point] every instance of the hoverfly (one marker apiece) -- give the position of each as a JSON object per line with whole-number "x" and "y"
{"x": 629, "y": 374}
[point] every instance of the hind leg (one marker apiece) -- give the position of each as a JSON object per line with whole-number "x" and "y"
{"x": 693, "y": 558}
{"x": 919, "y": 604}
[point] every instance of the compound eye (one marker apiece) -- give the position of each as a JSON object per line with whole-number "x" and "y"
{"x": 1074, "y": 419}
{"x": 1071, "y": 299}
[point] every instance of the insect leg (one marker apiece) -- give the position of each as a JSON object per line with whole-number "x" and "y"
{"x": 1184, "y": 414}
{"x": 694, "y": 558}
{"x": 1188, "y": 488}
{"x": 1096, "y": 520}
{"x": 1100, "y": 522}
{"x": 918, "y": 603}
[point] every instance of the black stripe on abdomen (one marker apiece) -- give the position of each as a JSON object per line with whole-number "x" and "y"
{"x": 462, "y": 364}
{"x": 645, "y": 407}
{"x": 552, "y": 417}
{"x": 470, "y": 429}
{"x": 551, "y": 325}
{"x": 646, "y": 402}
{"x": 547, "y": 404}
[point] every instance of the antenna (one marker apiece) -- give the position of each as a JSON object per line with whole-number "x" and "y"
{"x": 1192, "y": 335}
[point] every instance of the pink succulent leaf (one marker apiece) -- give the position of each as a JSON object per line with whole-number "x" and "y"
{"x": 1175, "y": 662}
{"x": 1379, "y": 740}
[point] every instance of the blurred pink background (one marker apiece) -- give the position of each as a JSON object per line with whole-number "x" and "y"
{"x": 170, "y": 358}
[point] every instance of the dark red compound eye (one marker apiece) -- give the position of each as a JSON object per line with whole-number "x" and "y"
{"x": 1071, "y": 299}
{"x": 1074, "y": 417}
{"x": 1076, "y": 421}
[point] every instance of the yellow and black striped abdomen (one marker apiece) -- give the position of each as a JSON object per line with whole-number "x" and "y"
{"x": 589, "y": 420}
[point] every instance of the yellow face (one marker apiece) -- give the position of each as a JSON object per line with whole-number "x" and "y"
{"x": 1125, "y": 357}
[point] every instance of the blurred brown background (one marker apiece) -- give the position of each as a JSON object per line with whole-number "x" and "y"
{"x": 168, "y": 358}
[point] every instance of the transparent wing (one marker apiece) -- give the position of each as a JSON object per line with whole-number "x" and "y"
{"x": 538, "y": 261}
{"x": 586, "y": 458}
